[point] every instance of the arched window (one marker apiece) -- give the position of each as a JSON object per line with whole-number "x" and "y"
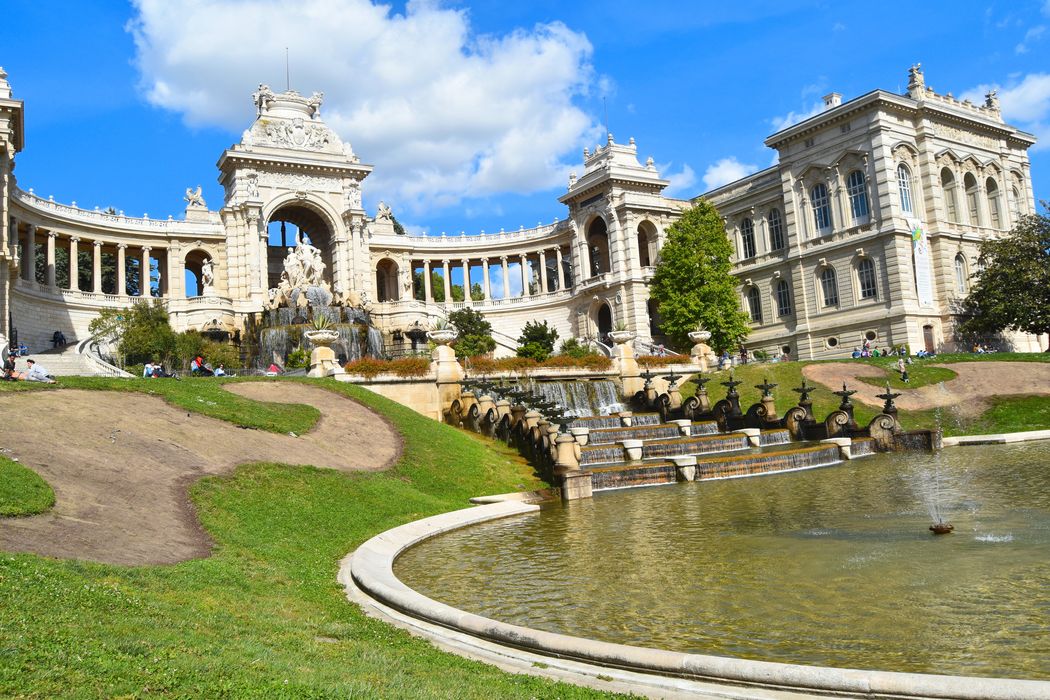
{"x": 858, "y": 196}
{"x": 961, "y": 278}
{"x": 970, "y": 183}
{"x": 1016, "y": 210}
{"x": 783, "y": 299}
{"x": 821, "y": 207}
{"x": 776, "y": 230}
{"x": 747, "y": 239}
{"x": 829, "y": 286}
{"x": 866, "y": 277}
{"x": 993, "y": 203}
{"x": 948, "y": 186}
{"x": 904, "y": 188}
{"x": 754, "y": 304}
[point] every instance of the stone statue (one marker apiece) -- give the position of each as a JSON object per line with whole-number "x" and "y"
{"x": 991, "y": 100}
{"x": 353, "y": 195}
{"x": 207, "y": 273}
{"x": 384, "y": 213}
{"x": 263, "y": 97}
{"x": 315, "y": 103}
{"x": 194, "y": 198}
{"x": 253, "y": 185}
{"x": 293, "y": 269}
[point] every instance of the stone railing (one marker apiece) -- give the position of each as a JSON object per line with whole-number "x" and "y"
{"x": 444, "y": 241}
{"x": 101, "y": 218}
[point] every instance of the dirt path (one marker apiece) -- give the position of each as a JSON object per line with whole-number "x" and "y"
{"x": 969, "y": 392}
{"x": 121, "y": 465}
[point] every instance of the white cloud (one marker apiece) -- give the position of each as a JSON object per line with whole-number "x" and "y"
{"x": 725, "y": 171}
{"x": 1031, "y": 36}
{"x": 1025, "y": 103}
{"x": 443, "y": 112}
{"x": 792, "y": 118}
{"x": 1046, "y": 8}
{"x": 682, "y": 181}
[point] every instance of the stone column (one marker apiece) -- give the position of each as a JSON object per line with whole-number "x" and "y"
{"x": 447, "y": 281}
{"x": 74, "y": 268}
{"x": 428, "y": 292}
{"x": 144, "y": 274}
{"x": 96, "y": 267}
{"x": 543, "y": 271}
{"x": 30, "y": 260}
{"x": 524, "y": 275}
{"x": 122, "y": 282}
{"x": 51, "y": 236}
{"x": 466, "y": 280}
{"x": 506, "y": 274}
{"x": 561, "y": 271}
{"x": 486, "y": 288}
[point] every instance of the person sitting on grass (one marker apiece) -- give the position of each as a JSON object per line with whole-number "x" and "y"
{"x": 10, "y": 375}
{"x": 147, "y": 369}
{"x": 220, "y": 371}
{"x": 37, "y": 373}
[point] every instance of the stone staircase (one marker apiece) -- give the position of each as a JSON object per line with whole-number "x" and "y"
{"x": 69, "y": 362}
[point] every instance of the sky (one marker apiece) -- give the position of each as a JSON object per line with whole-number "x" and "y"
{"x": 475, "y": 113}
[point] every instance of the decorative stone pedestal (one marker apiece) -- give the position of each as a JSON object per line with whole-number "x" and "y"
{"x": 323, "y": 362}
{"x": 702, "y": 354}
{"x": 576, "y": 485}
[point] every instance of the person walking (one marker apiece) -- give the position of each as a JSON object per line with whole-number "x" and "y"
{"x": 903, "y": 369}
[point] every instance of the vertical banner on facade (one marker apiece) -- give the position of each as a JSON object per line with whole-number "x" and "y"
{"x": 920, "y": 246}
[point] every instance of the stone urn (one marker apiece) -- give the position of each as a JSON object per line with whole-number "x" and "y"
{"x": 442, "y": 336}
{"x": 702, "y": 353}
{"x": 322, "y": 358}
{"x": 700, "y": 336}
{"x": 621, "y": 337}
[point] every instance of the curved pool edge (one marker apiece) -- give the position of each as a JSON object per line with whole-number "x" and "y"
{"x": 367, "y": 573}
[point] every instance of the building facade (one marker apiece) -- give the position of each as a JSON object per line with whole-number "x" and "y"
{"x": 867, "y": 228}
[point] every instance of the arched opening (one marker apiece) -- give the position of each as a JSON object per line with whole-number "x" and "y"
{"x": 598, "y": 247}
{"x": 605, "y": 322}
{"x": 991, "y": 188}
{"x": 289, "y": 225}
{"x": 951, "y": 207}
{"x": 970, "y": 185}
{"x": 193, "y": 264}
{"x": 646, "y": 243}
{"x": 387, "y": 281}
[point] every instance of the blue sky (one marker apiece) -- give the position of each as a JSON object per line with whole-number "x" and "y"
{"x": 474, "y": 113}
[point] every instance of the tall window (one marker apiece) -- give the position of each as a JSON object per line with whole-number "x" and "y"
{"x": 993, "y": 203}
{"x": 866, "y": 277}
{"x": 776, "y": 230}
{"x": 754, "y": 304}
{"x": 821, "y": 207}
{"x": 970, "y": 183}
{"x": 829, "y": 286}
{"x": 961, "y": 277}
{"x": 904, "y": 188}
{"x": 948, "y": 187}
{"x": 1016, "y": 211}
{"x": 783, "y": 299}
{"x": 747, "y": 238}
{"x": 858, "y": 196}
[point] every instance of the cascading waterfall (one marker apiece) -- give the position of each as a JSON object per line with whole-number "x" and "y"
{"x": 273, "y": 344}
{"x": 375, "y": 342}
{"x": 597, "y": 398}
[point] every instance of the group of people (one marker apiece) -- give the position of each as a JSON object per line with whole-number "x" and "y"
{"x": 870, "y": 350}
{"x": 34, "y": 372}
{"x": 198, "y": 367}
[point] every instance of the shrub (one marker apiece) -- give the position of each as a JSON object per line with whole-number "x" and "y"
{"x": 402, "y": 367}
{"x": 591, "y": 361}
{"x": 475, "y": 333}
{"x": 298, "y": 359}
{"x": 573, "y": 348}
{"x": 537, "y": 340}
{"x": 661, "y": 360}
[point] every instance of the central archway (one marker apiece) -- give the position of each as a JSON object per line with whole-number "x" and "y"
{"x": 290, "y": 223}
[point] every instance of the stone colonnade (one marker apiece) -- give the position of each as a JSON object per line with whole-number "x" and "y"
{"x": 30, "y": 237}
{"x": 553, "y": 259}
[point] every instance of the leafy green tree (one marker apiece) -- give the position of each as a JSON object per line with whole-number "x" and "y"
{"x": 143, "y": 331}
{"x": 537, "y": 340}
{"x": 475, "y": 333}
{"x": 573, "y": 348}
{"x": 693, "y": 285}
{"x": 1012, "y": 291}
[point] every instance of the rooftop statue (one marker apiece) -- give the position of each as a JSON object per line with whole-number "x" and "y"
{"x": 194, "y": 198}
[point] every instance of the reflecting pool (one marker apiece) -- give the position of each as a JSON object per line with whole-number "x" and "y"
{"x": 831, "y": 566}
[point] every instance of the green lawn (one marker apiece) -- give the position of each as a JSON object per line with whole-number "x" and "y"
{"x": 22, "y": 491}
{"x": 264, "y": 616}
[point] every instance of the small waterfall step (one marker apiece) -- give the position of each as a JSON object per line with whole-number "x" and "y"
{"x": 705, "y": 444}
{"x": 626, "y": 476}
{"x": 605, "y": 436}
{"x": 776, "y": 436}
{"x": 766, "y": 462}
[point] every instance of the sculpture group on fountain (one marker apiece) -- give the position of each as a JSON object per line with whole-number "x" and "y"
{"x": 302, "y": 283}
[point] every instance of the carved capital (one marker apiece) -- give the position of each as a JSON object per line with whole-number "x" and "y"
{"x": 74, "y": 239}
{"x": 122, "y": 246}
{"x": 52, "y": 235}
{"x": 97, "y": 244}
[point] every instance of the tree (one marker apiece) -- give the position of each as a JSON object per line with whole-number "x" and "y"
{"x": 475, "y": 333}
{"x": 1012, "y": 291}
{"x": 693, "y": 285}
{"x": 537, "y": 340}
{"x": 143, "y": 332}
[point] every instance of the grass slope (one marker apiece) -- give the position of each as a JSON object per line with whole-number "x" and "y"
{"x": 22, "y": 491}
{"x": 264, "y": 616}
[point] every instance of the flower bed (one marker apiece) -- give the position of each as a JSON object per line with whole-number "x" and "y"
{"x": 402, "y": 367}
{"x": 488, "y": 365}
{"x": 662, "y": 360}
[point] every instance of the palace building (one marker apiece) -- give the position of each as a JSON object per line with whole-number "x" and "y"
{"x": 866, "y": 228}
